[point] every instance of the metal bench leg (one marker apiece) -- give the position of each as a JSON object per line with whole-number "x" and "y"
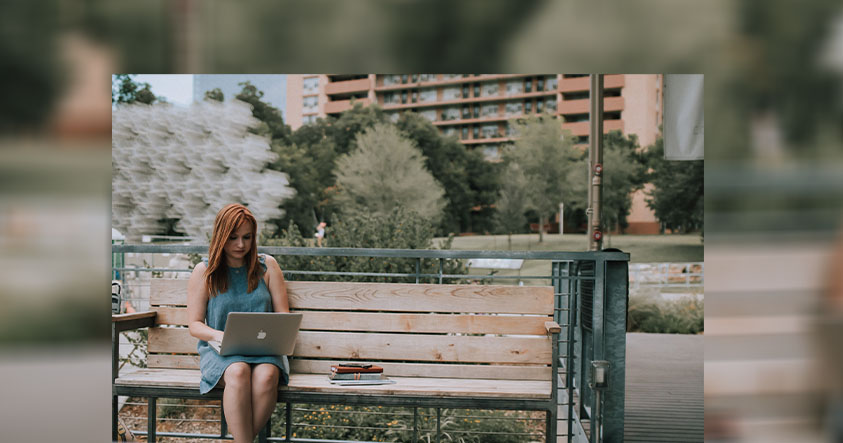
{"x": 288, "y": 426}
{"x": 264, "y": 433}
{"x": 415, "y": 425}
{"x": 551, "y": 426}
{"x": 438, "y": 425}
{"x": 114, "y": 418}
{"x": 150, "y": 419}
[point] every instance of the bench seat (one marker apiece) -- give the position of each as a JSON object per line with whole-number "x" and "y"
{"x": 410, "y": 386}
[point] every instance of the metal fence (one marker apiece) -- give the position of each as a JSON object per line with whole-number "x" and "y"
{"x": 590, "y": 290}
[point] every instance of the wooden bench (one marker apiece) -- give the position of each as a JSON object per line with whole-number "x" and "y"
{"x": 446, "y": 346}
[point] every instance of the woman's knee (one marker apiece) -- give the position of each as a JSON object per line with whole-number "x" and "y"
{"x": 266, "y": 376}
{"x": 238, "y": 374}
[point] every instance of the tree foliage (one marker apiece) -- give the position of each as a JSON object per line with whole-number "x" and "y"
{"x": 124, "y": 89}
{"x": 387, "y": 170}
{"x": 546, "y": 156}
{"x": 397, "y": 229}
{"x": 273, "y": 123}
{"x": 512, "y": 203}
{"x": 215, "y": 94}
{"x": 623, "y": 174}
{"x": 677, "y": 194}
{"x": 468, "y": 180}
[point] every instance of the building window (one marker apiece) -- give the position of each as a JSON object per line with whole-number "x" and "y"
{"x": 449, "y": 130}
{"x": 404, "y": 78}
{"x": 490, "y": 89}
{"x": 310, "y": 104}
{"x": 616, "y": 92}
{"x": 451, "y": 113}
{"x": 528, "y": 106}
{"x": 514, "y": 108}
{"x": 465, "y": 91}
{"x": 415, "y": 78}
{"x": 427, "y": 77}
{"x": 450, "y": 76}
{"x": 310, "y": 85}
{"x": 429, "y": 114}
{"x": 550, "y": 104}
{"x": 464, "y": 132}
{"x": 540, "y": 84}
{"x": 612, "y": 115}
{"x": 389, "y": 98}
{"x": 539, "y": 104}
{"x": 477, "y": 89}
{"x": 475, "y": 131}
{"x": 574, "y": 75}
{"x": 491, "y": 153}
{"x": 528, "y": 85}
{"x": 307, "y": 119}
{"x": 579, "y": 95}
{"x": 466, "y": 112}
{"x": 489, "y": 110}
{"x": 415, "y": 96}
{"x": 514, "y": 87}
{"x": 552, "y": 83}
{"x": 427, "y": 95}
{"x": 451, "y": 93}
{"x": 403, "y": 96}
{"x": 476, "y": 111}
{"x": 574, "y": 118}
{"x": 490, "y": 131}
{"x": 391, "y": 80}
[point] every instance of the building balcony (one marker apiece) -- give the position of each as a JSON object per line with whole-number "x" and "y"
{"x": 478, "y": 141}
{"x": 335, "y": 107}
{"x": 465, "y": 121}
{"x": 473, "y": 79}
{"x": 583, "y": 106}
{"x": 462, "y": 101}
{"x": 583, "y": 128}
{"x": 347, "y": 86}
{"x": 610, "y": 81}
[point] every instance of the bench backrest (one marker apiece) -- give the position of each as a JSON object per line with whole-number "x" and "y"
{"x": 458, "y": 331}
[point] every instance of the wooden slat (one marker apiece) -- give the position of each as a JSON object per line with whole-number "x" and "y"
{"x": 428, "y": 387}
{"x": 506, "y": 372}
{"x": 408, "y": 347}
{"x": 389, "y": 322}
{"x": 301, "y": 366}
{"x": 392, "y": 297}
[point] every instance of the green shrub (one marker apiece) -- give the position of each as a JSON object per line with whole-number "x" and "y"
{"x": 651, "y": 313}
{"x": 394, "y": 424}
{"x": 400, "y": 229}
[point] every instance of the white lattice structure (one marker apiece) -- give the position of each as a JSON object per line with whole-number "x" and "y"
{"x": 187, "y": 163}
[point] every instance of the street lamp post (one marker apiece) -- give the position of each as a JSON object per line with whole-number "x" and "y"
{"x": 595, "y": 164}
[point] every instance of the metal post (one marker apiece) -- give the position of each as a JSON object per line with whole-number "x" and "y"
{"x": 150, "y": 419}
{"x": 223, "y": 423}
{"x": 289, "y": 424}
{"x": 115, "y": 352}
{"x": 418, "y": 269}
{"x": 441, "y": 261}
{"x": 595, "y": 163}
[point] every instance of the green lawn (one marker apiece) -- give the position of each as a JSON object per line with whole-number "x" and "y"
{"x": 642, "y": 249}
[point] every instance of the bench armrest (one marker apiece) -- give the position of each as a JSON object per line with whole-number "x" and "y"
{"x": 135, "y": 320}
{"x": 552, "y": 327}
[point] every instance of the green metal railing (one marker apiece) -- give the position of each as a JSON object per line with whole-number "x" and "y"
{"x": 598, "y": 280}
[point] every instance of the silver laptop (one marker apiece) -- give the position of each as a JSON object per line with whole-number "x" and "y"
{"x": 259, "y": 333}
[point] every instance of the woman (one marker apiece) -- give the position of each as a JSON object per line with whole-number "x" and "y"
{"x": 235, "y": 278}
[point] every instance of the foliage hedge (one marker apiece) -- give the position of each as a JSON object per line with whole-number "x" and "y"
{"x": 650, "y": 312}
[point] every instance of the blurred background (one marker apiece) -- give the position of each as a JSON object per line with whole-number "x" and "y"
{"x": 774, "y": 168}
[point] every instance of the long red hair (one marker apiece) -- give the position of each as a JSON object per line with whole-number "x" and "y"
{"x": 228, "y": 220}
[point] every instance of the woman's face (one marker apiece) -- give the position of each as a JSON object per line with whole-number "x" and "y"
{"x": 239, "y": 242}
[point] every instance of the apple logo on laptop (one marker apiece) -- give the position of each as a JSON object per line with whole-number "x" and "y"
{"x": 261, "y": 334}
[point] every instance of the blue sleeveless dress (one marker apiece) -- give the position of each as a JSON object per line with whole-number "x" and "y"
{"x": 236, "y": 299}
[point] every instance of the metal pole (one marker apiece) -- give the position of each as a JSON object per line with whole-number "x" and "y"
{"x": 595, "y": 163}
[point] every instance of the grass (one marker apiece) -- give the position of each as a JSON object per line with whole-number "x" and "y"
{"x": 642, "y": 249}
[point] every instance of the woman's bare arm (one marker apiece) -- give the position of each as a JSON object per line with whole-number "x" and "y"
{"x": 197, "y": 304}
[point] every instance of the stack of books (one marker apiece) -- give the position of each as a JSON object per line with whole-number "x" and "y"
{"x": 358, "y": 374}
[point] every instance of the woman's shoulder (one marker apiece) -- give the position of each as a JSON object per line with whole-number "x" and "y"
{"x": 200, "y": 267}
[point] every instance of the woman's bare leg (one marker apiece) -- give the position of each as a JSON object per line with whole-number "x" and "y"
{"x": 264, "y": 394}
{"x": 237, "y": 401}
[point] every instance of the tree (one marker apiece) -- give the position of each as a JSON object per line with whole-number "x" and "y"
{"x": 512, "y": 202}
{"x": 124, "y": 89}
{"x": 622, "y": 175}
{"x": 273, "y": 123}
{"x": 387, "y": 170}
{"x": 215, "y": 94}
{"x": 677, "y": 194}
{"x": 466, "y": 178}
{"x": 545, "y": 155}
